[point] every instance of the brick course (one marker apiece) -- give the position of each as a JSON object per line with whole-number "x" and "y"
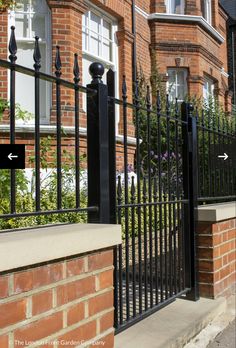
{"x": 69, "y": 300}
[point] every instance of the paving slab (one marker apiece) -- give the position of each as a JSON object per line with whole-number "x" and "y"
{"x": 226, "y": 339}
{"x": 172, "y": 326}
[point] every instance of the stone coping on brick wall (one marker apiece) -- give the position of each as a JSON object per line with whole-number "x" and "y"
{"x": 217, "y": 212}
{"x": 26, "y": 247}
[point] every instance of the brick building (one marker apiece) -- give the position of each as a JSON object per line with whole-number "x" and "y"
{"x": 186, "y": 39}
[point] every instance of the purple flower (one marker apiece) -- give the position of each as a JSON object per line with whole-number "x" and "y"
{"x": 130, "y": 168}
{"x": 152, "y": 153}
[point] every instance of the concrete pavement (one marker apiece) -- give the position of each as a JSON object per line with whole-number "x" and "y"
{"x": 172, "y": 326}
{"x": 226, "y": 339}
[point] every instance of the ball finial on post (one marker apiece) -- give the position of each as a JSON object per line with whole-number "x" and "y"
{"x": 96, "y": 71}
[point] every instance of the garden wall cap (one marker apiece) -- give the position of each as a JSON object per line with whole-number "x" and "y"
{"x": 217, "y": 212}
{"x": 25, "y": 247}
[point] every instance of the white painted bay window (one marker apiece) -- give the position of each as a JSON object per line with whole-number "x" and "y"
{"x": 177, "y": 86}
{"x": 175, "y": 6}
{"x": 32, "y": 18}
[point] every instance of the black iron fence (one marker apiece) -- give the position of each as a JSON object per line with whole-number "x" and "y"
{"x": 164, "y": 167}
{"x": 35, "y": 160}
{"x": 216, "y": 156}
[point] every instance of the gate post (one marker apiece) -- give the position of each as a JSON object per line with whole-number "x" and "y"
{"x": 98, "y": 139}
{"x": 190, "y": 185}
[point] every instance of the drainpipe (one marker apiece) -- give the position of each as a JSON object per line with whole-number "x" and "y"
{"x": 233, "y": 60}
{"x": 134, "y": 50}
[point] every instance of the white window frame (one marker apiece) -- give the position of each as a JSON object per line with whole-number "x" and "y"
{"x": 31, "y": 40}
{"x": 114, "y": 63}
{"x": 170, "y": 7}
{"x": 168, "y": 84}
{"x": 207, "y": 11}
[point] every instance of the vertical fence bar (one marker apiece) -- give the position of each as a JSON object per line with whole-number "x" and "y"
{"x": 37, "y": 66}
{"x": 112, "y": 179}
{"x": 77, "y": 137}
{"x": 139, "y": 211}
{"x": 12, "y": 57}
{"x": 98, "y": 146}
{"x": 190, "y": 193}
{"x": 168, "y": 139}
{"x": 159, "y": 149}
{"x": 148, "y": 106}
{"x": 126, "y": 192}
{"x": 177, "y": 196}
{"x": 120, "y": 261}
{"x": 58, "y": 114}
{"x": 209, "y": 123}
{"x": 155, "y": 197}
{"x": 132, "y": 199}
{"x": 145, "y": 241}
{"x": 112, "y": 144}
{"x": 204, "y": 178}
{"x": 185, "y": 216}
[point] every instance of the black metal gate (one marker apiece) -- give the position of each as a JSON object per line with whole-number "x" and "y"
{"x": 154, "y": 198}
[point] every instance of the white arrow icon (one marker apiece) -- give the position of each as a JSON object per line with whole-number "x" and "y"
{"x": 225, "y": 156}
{"x": 10, "y": 156}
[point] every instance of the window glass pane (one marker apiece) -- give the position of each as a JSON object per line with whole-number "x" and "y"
{"x": 22, "y": 25}
{"x": 95, "y": 22}
{"x": 38, "y": 26}
{"x": 172, "y": 91}
{"x": 94, "y": 44}
{"x": 106, "y": 29}
{"x": 106, "y": 51}
{"x": 171, "y": 75}
{"x": 25, "y": 95}
{"x": 180, "y": 77}
{"x": 176, "y": 6}
{"x": 85, "y": 39}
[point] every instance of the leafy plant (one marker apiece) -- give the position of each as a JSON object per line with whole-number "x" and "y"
{"x": 20, "y": 113}
{"x": 25, "y": 198}
{"x": 5, "y": 4}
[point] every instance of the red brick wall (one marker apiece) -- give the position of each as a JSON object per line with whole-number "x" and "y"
{"x": 69, "y": 300}
{"x": 216, "y": 257}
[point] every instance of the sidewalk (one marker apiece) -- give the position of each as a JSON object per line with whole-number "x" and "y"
{"x": 172, "y": 326}
{"x": 226, "y": 338}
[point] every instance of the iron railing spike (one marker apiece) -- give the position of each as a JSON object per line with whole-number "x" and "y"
{"x": 58, "y": 62}
{"x": 37, "y": 55}
{"x": 76, "y": 70}
{"x": 12, "y": 46}
{"x": 124, "y": 87}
